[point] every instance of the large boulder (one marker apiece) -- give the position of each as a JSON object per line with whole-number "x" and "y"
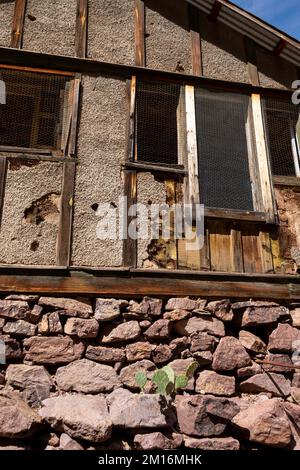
{"x": 209, "y": 325}
{"x": 124, "y": 332}
{"x": 264, "y": 423}
{"x": 282, "y": 338}
{"x": 136, "y": 411}
{"x": 17, "y": 419}
{"x": 209, "y": 382}
{"x": 80, "y": 416}
{"x": 87, "y": 377}
{"x": 275, "y": 384}
{"x": 230, "y": 354}
{"x": 82, "y": 328}
{"x": 54, "y": 350}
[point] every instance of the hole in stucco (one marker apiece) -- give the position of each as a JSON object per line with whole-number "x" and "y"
{"x": 34, "y": 245}
{"x": 94, "y": 206}
{"x": 44, "y": 209}
{"x": 149, "y": 202}
{"x": 16, "y": 163}
{"x": 31, "y": 17}
{"x": 113, "y": 204}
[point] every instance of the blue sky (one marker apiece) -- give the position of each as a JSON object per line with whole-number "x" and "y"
{"x": 284, "y": 14}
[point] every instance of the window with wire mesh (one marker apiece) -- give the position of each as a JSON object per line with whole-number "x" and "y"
{"x": 283, "y": 132}
{"x": 32, "y": 113}
{"x": 156, "y": 122}
{"x": 223, "y": 154}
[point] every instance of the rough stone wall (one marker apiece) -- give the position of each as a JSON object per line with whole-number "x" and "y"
{"x": 101, "y": 150}
{"x": 6, "y": 16}
{"x": 111, "y": 31}
{"x": 30, "y": 213}
{"x": 49, "y": 26}
{"x": 168, "y": 43}
{"x": 274, "y": 72}
{"x": 288, "y": 203}
{"x": 223, "y": 52}
{"x": 65, "y": 354}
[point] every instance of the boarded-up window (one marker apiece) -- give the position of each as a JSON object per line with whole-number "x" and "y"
{"x": 156, "y": 122}
{"x": 283, "y": 131}
{"x": 31, "y": 115}
{"x": 223, "y": 152}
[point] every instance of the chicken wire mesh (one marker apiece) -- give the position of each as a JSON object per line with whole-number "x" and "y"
{"x": 223, "y": 153}
{"x": 157, "y": 133}
{"x": 32, "y": 113}
{"x": 281, "y": 119}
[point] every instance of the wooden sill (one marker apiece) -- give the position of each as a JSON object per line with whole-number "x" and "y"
{"x": 286, "y": 180}
{"x": 168, "y": 169}
{"x": 236, "y": 215}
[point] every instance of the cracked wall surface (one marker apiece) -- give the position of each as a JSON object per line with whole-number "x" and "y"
{"x": 111, "y": 31}
{"x": 22, "y": 239}
{"x": 49, "y": 26}
{"x": 101, "y": 150}
{"x": 6, "y": 17}
{"x": 168, "y": 44}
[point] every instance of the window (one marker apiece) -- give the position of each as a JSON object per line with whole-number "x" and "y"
{"x": 32, "y": 113}
{"x": 223, "y": 150}
{"x": 283, "y": 134}
{"x": 156, "y": 122}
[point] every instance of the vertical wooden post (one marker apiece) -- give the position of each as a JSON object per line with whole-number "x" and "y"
{"x": 81, "y": 28}
{"x": 140, "y": 54}
{"x": 3, "y": 170}
{"x": 75, "y": 111}
{"x": 194, "y": 21}
{"x": 251, "y": 58}
{"x": 192, "y": 151}
{"x": 18, "y": 24}
{"x": 130, "y": 179}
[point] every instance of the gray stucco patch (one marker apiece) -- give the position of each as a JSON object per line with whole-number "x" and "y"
{"x": 223, "y": 52}
{"x": 274, "y": 72}
{"x": 6, "y": 17}
{"x": 168, "y": 43}
{"x": 49, "y": 26}
{"x": 111, "y": 31}
{"x": 101, "y": 150}
{"x": 22, "y": 241}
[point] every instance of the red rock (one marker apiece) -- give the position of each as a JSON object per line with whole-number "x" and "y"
{"x": 209, "y": 382}
{"x": 254, "y": 316}
{"x": 69, "y": 307}
{"x": 123, "y": 332}
{"x": 82, "y": 328}
{"x": 176, "y": 315}
{"x": 109, "y": 309}
{"x": 162, "y": 354}
{"x": 202, "y": 342}
{"x": 19, "y": 328}
{"x": 55, "y": 350}
{"x": 12, "y": 348}
{"x": 105, "y": 354}
{"x": 148, "y": 306}
{"x": 128, "y": 373}
{"x": 14, "y": 309}
{"x": 230, "y": 354}
{"x": 280, "y": 359}
{"x": 282, "y": 338}
{"x": 138, "y": 351}
{"x": 250, "y": 370}
{"x": 275, "y": 384}
{"x": 221, "y": 309}
{"x": 212, "y": 443}
{"x": 251, "y": 342}
{"x": 209, "y": 325}
{"x": 182, "y": 303}
{"x": 180, "y": 367}
{"x": 157, "y": 440}
{"x": 158, "y": 330}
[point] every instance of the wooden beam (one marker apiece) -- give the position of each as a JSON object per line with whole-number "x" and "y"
{"x": 282, "y": 43}
{"x": 66, "y": 215}
{"x": 140, "y": 49}
{"x": 3, "y": 171}
{"x": 251, "y": 58}
{"x": 138, "y": 166}
{"x": 192, "y": 151}
{"x": 194, "y": 20}
{"x": 81, "y": 28}
{"x": 216, "y": 8}
{"x": 75, "y": 112}
{"x": 18, "y": 24}
{"x": 235, "y": 214}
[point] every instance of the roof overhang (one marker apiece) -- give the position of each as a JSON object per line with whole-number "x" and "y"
{"x": 267, "y": 36}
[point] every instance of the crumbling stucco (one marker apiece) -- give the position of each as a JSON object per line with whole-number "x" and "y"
{"x": 24, "y": 239}
{"x": 288, "y": 203}
{"x": 149, "y": 191}
{"x": 274, "y": 72}
{"x": 223, "y": 52}
{"x": 6, "y": 16}
{"x": 49, "y": 26}
{"x": 168, "y": 43}
{"x": 111, "y": 31}
{"x": 101, "y": 150}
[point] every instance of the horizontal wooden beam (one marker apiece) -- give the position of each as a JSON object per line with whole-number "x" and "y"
{"x": 156, "y": 168}
{"x": 162, "y": 283}
{"x": 22, "y": 58}
{"x": 280, "y": 47}
{"x": 286, "y": 180}
{"x": 235, "y": 215}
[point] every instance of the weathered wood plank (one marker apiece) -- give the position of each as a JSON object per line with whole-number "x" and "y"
{"x": 3, "y": 170}
{"x": 81, "y": 28}
{"x": 66, "y": 215}
{"x": 74, "y": 115}
{"x": 251, "y": 58}
{"x": 192, "y": 151}
{"x": 237, "y": 259}
{"x": 140, "y": 55}
{"x": 252, "y": 254}
{"x": 194, "y": 21}
{"x": 266, "y": 251}
{"x": 18, "y": 24}
{"x": 220, "y": 245}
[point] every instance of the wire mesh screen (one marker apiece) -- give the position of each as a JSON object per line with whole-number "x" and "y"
{"x": 31, "y": 116}
{"x": 282, "y": 117}
{"x": 222, "y": 150}
{"x": 156, "y": 122}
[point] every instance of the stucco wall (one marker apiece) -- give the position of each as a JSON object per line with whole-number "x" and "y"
{"x": 111, "y": 31}
{"x": 24, "y": 238}
{"x": 49, "y": 26}
{"x": 168, "y": 44}
{"x": 101, "y": 150}
{"x": 6, "y": 16}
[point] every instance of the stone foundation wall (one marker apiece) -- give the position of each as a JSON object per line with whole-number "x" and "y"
{"x": 69, "y": 378}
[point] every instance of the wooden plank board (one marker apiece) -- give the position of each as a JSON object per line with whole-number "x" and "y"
{"x": 266, "y": 251}
{"x": 3, "y": 170}
{"x": 140, "y": 55}
{"x": 251, "y": 58}
{"x": 252, "y": 254}
{"x": 18, "y": 24}
{"x": 75, "y": 112}
{"x": 194, "y": 21}
{"x": 220, "y": 245}
{"x": 66, "y": 215}
{"x": 192, "y": 151}
{"x": 81, "y": 28}
{"x": 237, "y": 259}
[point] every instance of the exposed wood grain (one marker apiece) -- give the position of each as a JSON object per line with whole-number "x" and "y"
{"x": 266, "y": 251}
{"x": 286, "y": 181}
{"x": 276, "y": 251}
{"x": 235, "y": 215}
{"x": 192, "y": 152}
{"x": 220, "y": 245}
{"x": 236, "y": 249}
{"x": 251, "y": 58}
{"x": 74, "y": 115}
{"x": 140, "y": 54}
{"x": 205, "y": 252}
{"x": 252, "y": 254}
{"x": 171, "y": 245}
{"x": 139, "y": 166}
{"x": 194, "y": 21}
{"x": 3, "y": 169}
{"x": 39, "y": 70}
{"x": 81, "y": 28}
{"x": 18, "y": 24}
{"x": 66, "y": 214}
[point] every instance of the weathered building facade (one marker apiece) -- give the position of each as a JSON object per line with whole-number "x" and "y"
{"x": 163, "y": 102}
